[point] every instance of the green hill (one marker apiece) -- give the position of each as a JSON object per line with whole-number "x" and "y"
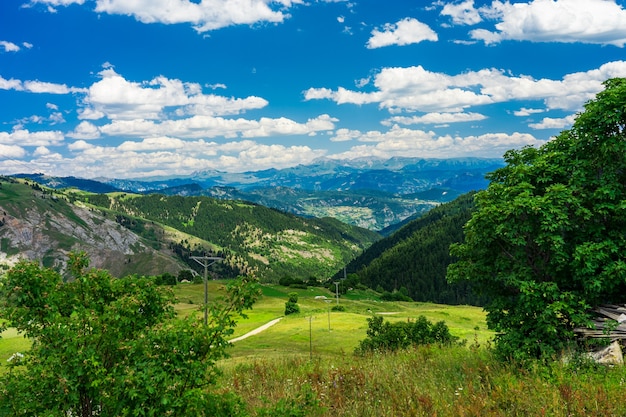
{"x": 153, "y": 234}
{"x": 417, "y": 255}
{"x": 252, "y": 238}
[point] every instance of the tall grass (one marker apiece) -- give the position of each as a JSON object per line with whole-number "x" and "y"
{"x": 427, "y": 381}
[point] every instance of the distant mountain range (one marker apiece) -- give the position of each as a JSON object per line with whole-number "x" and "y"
{"x": 374, "y": 194}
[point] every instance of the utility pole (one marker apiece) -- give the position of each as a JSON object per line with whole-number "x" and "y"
{"x": 337, "y": 291}
{"x": 328, "y": 303}
{"x": 310, "y": 338}
{"x": 206, "y": 261}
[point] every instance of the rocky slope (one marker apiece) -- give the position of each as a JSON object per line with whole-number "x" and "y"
{"x": 36, "y": 225}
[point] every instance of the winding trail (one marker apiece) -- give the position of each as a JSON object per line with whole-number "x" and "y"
{"x": 256, "y": 331}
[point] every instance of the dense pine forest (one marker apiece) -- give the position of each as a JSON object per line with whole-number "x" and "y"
{"x": 413, "y": 261}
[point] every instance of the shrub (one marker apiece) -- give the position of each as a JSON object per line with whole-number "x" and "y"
{"x": 388, "y": 336}
{"x": 285, "y": 281}
{"x": 291, "y": 308}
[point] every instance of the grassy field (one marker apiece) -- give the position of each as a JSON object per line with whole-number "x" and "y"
{"x": 307, "y": 333}
{"x": 300, "y": 367}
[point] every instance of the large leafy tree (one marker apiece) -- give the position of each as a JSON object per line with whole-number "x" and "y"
{"x": 111, "y": 347}
{"x": 548, "y": 239}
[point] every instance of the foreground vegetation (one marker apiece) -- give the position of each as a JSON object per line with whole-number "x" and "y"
{"x": 426, "y": 381}
{"x": 300, "y": 368}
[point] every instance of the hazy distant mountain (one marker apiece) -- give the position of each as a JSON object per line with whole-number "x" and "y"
{"x": 369, "y": 193}
{"x": 396, "y": 175}
{"x": 93, "y": 186}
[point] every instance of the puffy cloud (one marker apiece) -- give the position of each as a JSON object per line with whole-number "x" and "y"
{"x": 417, "y": 89}
{"x": 551, "y": 123}
{"x": 436, "y": 118}
{"x": 152, "y": 144}
{"x": 85, "y": 130}
{"x": 53, "y": 119}
{"x": 527, "y": 112}
{"x": 462, "y": 13}
{"x": 50, "y": 88}
{"x": 116, "y": 98}
{"x": 410, "y": 89}
{"x": 57, "y": 3}
{"x": 165, "y": 156}
{"x": 399, "y": 141}
{"x": 342, "y": 96}
{"x": 344, "y": 135}
{"x": 404, "y": 32}
{"x": 210, "y": 127}
{"x": 80, "y": 145}
{"x": 37, "y": 87}
{"x": 24, "y": 137}
{"x": 11, "y": 84}
{"x": 11, "y": 151}
{"x": 204, "y": 16}
{"x": 9, "y": 46}
{"x": 586, "y": 21}
{"x": 42, "y": 151}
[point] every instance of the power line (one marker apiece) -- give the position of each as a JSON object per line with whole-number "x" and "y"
{"x": 206, "y": 261}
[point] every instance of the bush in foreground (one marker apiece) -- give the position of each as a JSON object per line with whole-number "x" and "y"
{"x": 112, "y": 347}
{"x": 386, "y": 336}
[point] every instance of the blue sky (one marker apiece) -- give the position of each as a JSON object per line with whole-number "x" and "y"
{"x": 142, "y": 88}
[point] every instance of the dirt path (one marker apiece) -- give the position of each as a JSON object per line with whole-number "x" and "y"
{"x": 256, "y": 331}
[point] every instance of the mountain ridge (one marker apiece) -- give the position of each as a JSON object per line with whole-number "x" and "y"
{"x": 374, "y": 194}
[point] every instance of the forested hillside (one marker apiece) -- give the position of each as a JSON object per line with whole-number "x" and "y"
{"x": 252, "y": 238}
{"x": 417, "y": 255}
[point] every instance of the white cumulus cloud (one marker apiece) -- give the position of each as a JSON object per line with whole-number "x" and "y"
{"x": 586, "y": 21}
{"x": 204, "y": 16}
{"x": 164, "y": 156}
{"x": 436, "y": 118}
{"x": 399, "y": 141}
{"x": 554, "y": 123}
{"x": 116, "y": 98}
{"x": 404, "y": 32}
{"x": 462, "y": 13}
{"x": 24, "y": 137}
{"x": 414, "y": 89}
{"x": 11, "y": 151}
{"x": 9, "y": 46}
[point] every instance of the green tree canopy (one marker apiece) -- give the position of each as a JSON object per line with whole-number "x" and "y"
{"x": 547, "y": 241}
{"x": 111, "y": 347}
